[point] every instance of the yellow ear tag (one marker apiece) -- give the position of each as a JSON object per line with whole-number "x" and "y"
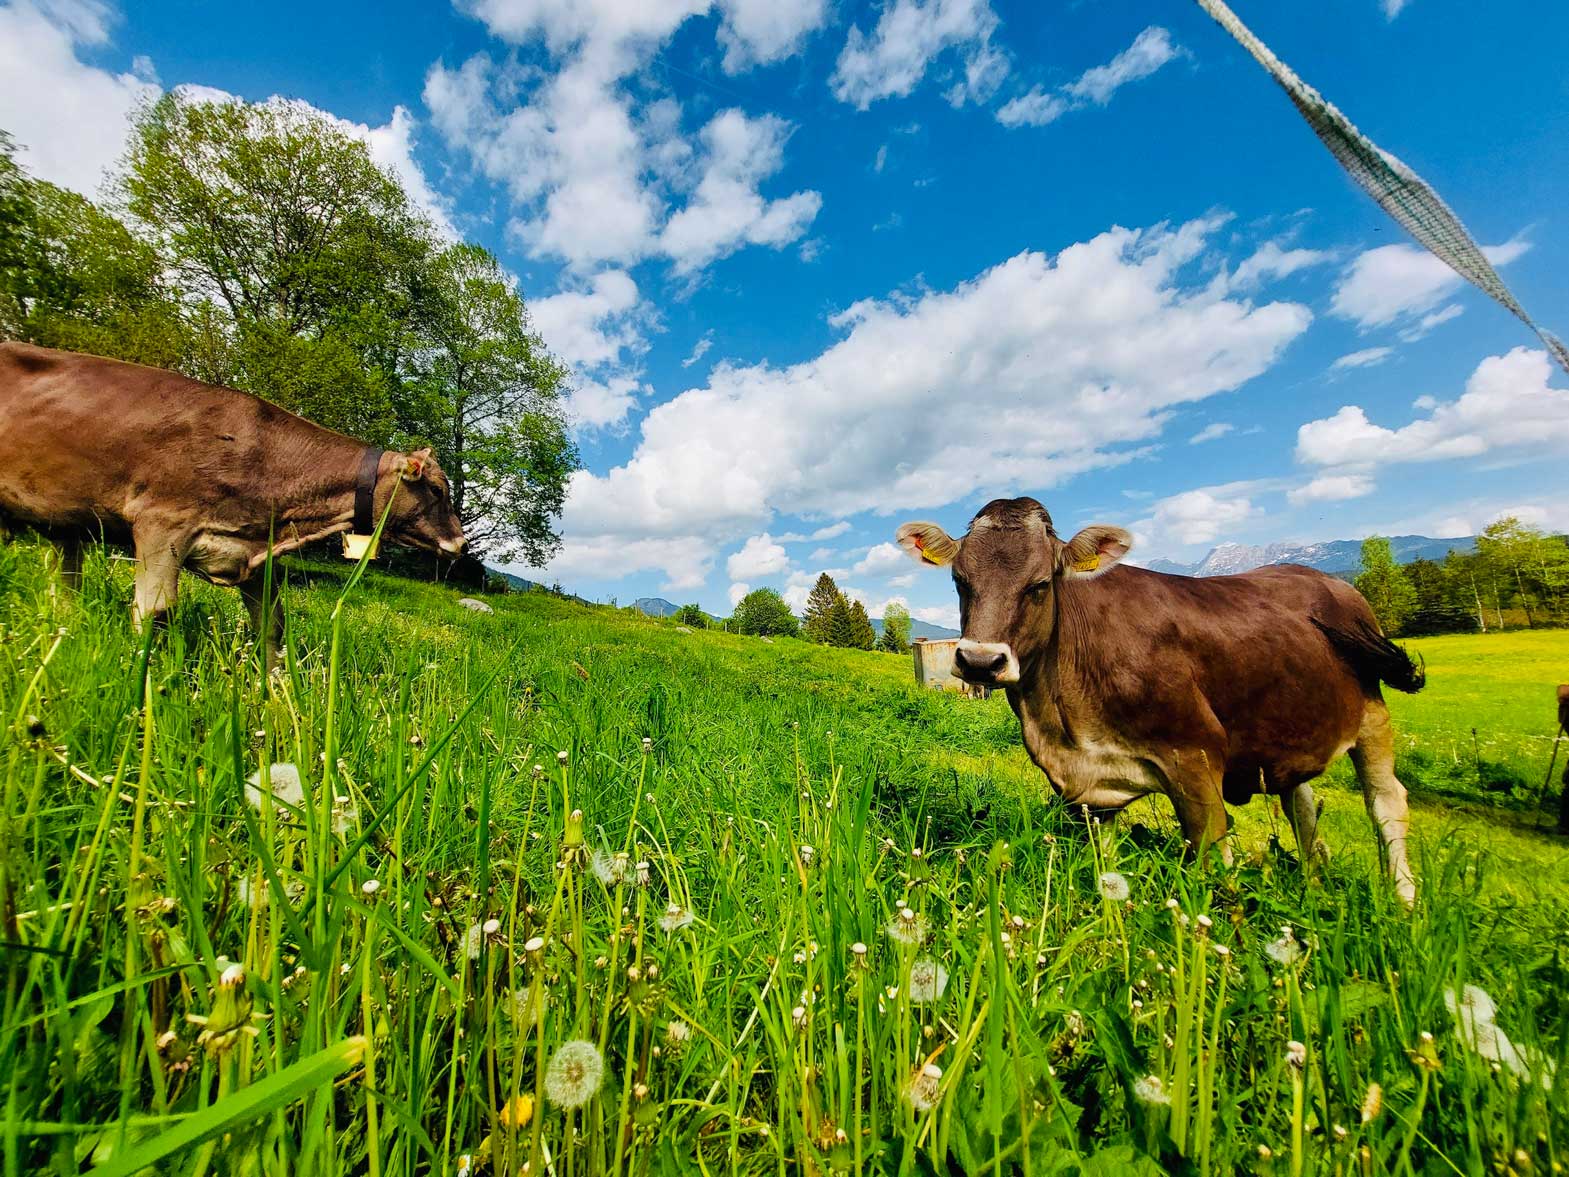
{"x": 1087, "y": 565}
{"x": 355, "y": 546}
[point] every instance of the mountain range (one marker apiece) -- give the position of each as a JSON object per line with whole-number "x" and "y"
{"x": 1340, "y": 557}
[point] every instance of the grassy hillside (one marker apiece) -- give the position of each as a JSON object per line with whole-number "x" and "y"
{"x": 385, "y": 977}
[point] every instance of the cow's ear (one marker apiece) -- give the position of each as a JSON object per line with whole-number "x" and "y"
{"x": 414, "y": 465}
{"x": 1094, "y": 550}
{"x": 928, "y": 543}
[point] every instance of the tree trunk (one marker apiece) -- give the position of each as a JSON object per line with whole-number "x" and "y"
{"x": 1481, "y": 618}
{"x": 1524, "y": 600}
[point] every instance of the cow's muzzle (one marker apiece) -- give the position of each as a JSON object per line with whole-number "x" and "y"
{"x": 986, "y": 663}
{"x": 453, "y": 547}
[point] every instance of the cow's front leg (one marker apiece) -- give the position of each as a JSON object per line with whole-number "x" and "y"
{"x": 266, "y": 616}
{"x": 159, "y": 554}
{"x": 1193, "y": 784}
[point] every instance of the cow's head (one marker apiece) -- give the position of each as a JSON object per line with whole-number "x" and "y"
{"x": 1007, "y": 570}
{"x": 422, "y": 514}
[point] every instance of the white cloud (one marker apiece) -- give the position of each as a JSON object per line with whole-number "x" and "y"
{"x": 602, "y": 404}
{"x": 726, "y": 211}
{"x": 882, "y": 560}
{"x": 1332, "y": 488}
{"x": 595, "y": 327}
{"x": 1507, "y": 404}
{"x": 1399, "y": 283}
{"x": 699, "y": 349}
{"x": 821, "y": 555}
{"x": 1271, "y": 261}
{"x": 758, "y": 32}
{"x": 832, "y": 531}
{"x": 737, "y": 591}
{"x": 1393, "y": 8}
{"x": 685, "y": 561}
{"x": 1202, "y": 515}
{"x": 760, "y": 556}
{"x": 71, "y": 118}
{"x": 1150, "y": 50}
{"x": 1210, "y": 432}
{"x": 392, "y": 149}
{"x": 1425, "y": 325}
{"x": 1035, "y": 108}
{"x": 929, "y": 400}
{"x": 1366, "y": 358}
{"x": 881, "y": 161}
{"x": 591, "y": 324}
{"x": 891, "y": 61}
{"x": 946, "y": 616}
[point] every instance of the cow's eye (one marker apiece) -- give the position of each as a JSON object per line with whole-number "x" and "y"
{"x": 1039, "y": 588}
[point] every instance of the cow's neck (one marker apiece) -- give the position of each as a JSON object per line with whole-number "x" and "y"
{"x": 1051, "y": 697}
{"x": 316, "y": 499}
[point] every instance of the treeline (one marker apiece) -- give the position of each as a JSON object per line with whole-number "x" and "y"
{"x": 1518, "y": 576}
{"x": 834, "y": 619}
{"x": 258, "y": 246}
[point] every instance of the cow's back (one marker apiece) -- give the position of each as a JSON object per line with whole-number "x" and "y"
{"x": 95, "y": 441}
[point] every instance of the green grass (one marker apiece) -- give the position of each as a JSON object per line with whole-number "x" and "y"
{"x": 375, "y": 1025}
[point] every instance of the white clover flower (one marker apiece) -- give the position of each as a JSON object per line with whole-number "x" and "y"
{"x": 807, "y": 854}
{"x": 675, "y": 918}
{"x": 677, "y": 1033}
{"x": 924, "y": 1088}
{"x": 610, "y": 869}
{"x": 907, "y": 928}
{"x": 640, "y": 873}
{"x": 1113, "y": 887}
{"x": 574, "y": 1074}
{"x": 491, "y": 927}
{"x": 369, "y": 888}
{"x": 1151, "y": 1091}
{"x": 928, "y": 980}
{"x": 285, "y": 783}
{"x": 1285, "y": 951}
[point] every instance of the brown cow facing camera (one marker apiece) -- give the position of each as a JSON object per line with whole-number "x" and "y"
{"x": 194, "y": 476}
{"x": 1128, "y": 682}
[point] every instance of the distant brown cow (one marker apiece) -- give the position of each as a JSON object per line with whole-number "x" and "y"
{"x": 1129, "y": 682}
{"x": 194, "y": 476}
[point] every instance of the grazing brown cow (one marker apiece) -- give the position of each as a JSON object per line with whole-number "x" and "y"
{"x": 1128, "y": 682}
{"x": 194, "y": 476}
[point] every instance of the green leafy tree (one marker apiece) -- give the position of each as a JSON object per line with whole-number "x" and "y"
{"x": 819, "y": 608}
{"x": 693, "y": 616}
{"x": 314, "y": 254}
{"x": 862, "y": 635}
{"x": 1383, "y": 583}
{"x": 487, "y": 394}
{"x": 763, "y": 612}
{"x": 896, "y": 629}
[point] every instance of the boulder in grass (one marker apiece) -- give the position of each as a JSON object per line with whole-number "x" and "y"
{"x": 477, "y": 606}
{"x": 683, "y": 629}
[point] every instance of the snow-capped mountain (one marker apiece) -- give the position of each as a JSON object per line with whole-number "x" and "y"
{"x": 1340, "y": 557}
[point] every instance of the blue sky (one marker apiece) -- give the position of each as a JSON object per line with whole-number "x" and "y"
{"x": 823, "y": 267}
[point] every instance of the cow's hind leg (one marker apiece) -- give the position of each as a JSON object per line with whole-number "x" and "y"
{"x": 1302, "y": 812}
{"x": 266, "y": 617}
{"x": 1374, "y": 757}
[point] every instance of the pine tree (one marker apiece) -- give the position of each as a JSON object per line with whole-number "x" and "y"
{"x": 841, "y": 622}
{"x": 819, "y": 608}
{"x": 862, "y": 635}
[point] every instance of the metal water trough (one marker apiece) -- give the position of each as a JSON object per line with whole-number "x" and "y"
{"x": 934, "y": 667}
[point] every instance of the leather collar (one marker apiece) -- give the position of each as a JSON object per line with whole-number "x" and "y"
{"x": 365, "y": 491}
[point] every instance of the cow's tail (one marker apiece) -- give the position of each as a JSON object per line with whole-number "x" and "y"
{"x": 1374, "y": 658}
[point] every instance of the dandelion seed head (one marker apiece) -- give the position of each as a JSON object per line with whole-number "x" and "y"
{"x": 677, "y": 1033}
{"x": 675, "y": 918}
{"x": 1285, "y": 951}
{"x": 924, "y": 1088}
{"x": 1151, "y": 1091}
{"x": 1113, "y": 887}
{"x": 610, "y": 869}
{"x": 1296, "y": 1055}
{"x": 285, "y": 783}
{"x": 907, "y": 928}
{"x": 562, "y": 758}
{"x": 928, "y": 980}
{"x": 574, "y": 1074}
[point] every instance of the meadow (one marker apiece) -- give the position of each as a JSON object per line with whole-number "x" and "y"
{"x": 564, "y": 890}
